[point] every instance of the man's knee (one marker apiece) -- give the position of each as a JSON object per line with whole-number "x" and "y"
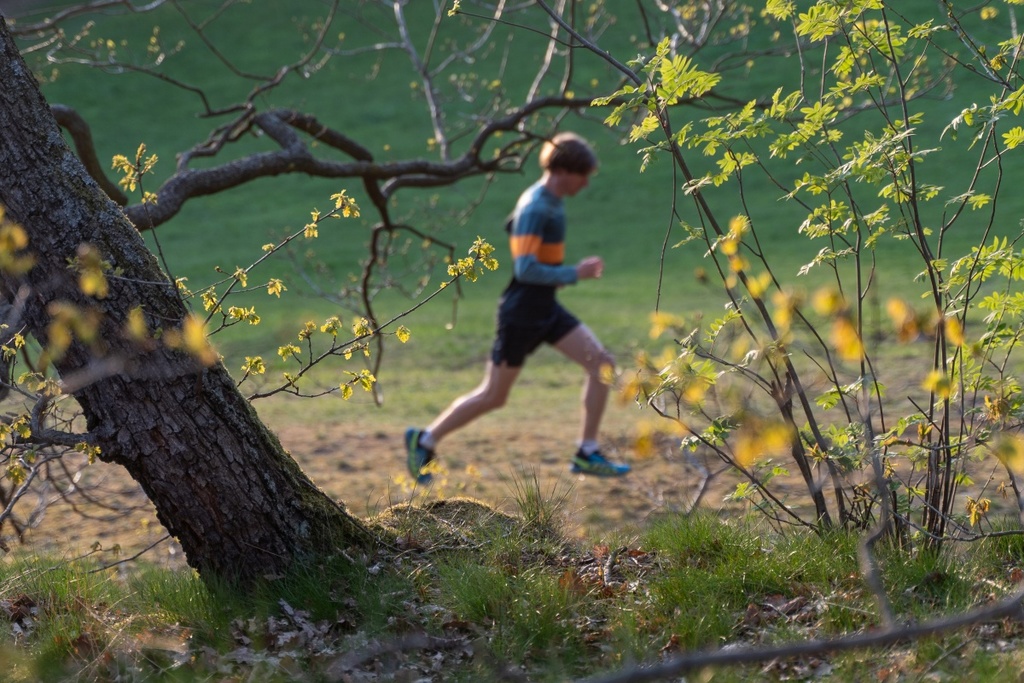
{"x": 494, "y": 399}
{"x": 602, "y": 365}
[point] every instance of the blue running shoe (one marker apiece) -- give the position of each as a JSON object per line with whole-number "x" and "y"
{"x": 598, "y": 465}
{"x": 417, "y": 456}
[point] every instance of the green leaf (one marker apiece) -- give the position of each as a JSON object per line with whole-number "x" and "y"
{"x": 646, "y": 127}
{"x": 780, "y": 9}
{"x": 1013, "y": 137}
{"x": 979, "y": 200}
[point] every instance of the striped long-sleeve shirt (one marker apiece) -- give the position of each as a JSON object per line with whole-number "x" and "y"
{"x": 537, "y": 241}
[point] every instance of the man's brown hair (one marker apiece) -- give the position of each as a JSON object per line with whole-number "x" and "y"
{"x": 569, "y": 152}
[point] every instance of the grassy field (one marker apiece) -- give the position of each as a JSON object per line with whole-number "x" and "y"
{"x": 624, "y": 216}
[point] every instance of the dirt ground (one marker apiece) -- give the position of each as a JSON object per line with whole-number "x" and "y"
{"x": 361, "y": 462}
{"x": 363, "y": 465}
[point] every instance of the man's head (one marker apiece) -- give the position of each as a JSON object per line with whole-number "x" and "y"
{"x": 567, "y": 161}
{"x": 568, "y": 152}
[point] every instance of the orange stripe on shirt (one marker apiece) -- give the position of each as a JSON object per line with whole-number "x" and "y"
{"x": 523, "y": 245}
{"x": 552, "y": 254}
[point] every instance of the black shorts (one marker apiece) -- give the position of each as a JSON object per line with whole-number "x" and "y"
{"x": 516, "y": 340}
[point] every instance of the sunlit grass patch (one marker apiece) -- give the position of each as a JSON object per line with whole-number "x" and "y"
{"x": 531, "y": 613}
{"x": 77, "y": 619}
{"x": 723, "y": 576}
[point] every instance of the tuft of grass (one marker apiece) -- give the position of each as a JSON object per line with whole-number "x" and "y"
{"x": 529, "y": 612}
{"x": 927, "y": 584}
{"x": 72, "y": 621}
{"x": 543, "y": 514}
{"x": 1006, "y": 545}
{"x": 174, "y": 597}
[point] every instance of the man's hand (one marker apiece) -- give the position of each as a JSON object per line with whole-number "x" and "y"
{"x": 589, "y": 268}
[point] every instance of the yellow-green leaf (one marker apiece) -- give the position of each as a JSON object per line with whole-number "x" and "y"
{"x": 275, "y": 287}
{"x": 1013, "y": 137}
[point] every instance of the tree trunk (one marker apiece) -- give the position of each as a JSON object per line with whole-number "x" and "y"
{"x": 220, "y": 480}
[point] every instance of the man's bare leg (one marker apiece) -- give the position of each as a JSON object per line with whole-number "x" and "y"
{"x": 492, "y": 393}
{"x": 583, "y": 347}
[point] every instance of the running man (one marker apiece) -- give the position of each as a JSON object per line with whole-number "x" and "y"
{"x": 529, "y": 314}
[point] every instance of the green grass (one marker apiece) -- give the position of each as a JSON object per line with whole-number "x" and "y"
{"x": 510, "y": 595}
{"x": 88, "y": 623}
{"x": 542, "y": 511}
{"x": 716, "y": 568}
{"x": 625, "y": 216}
{"x": 530, "y": 613}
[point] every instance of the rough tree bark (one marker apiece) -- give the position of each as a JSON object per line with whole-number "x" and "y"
{"x": 220, "y": 480}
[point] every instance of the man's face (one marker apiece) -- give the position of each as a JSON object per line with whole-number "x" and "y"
{"x": 574, "y": 182}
